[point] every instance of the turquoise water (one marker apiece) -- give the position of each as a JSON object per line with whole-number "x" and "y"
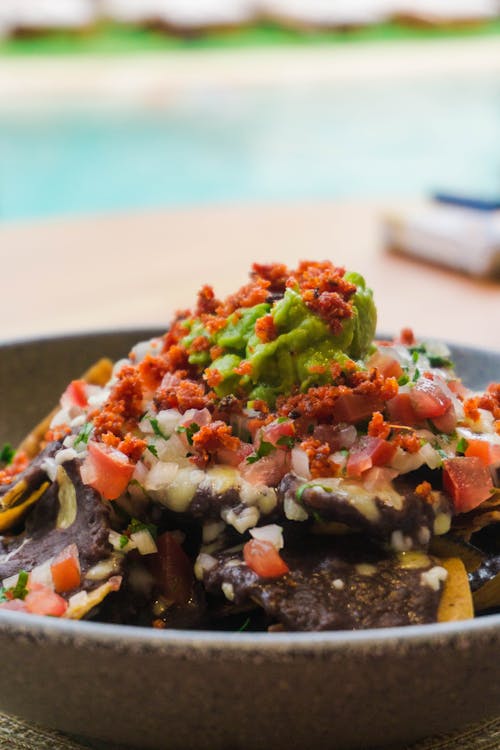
{"x": 302, "y": 142}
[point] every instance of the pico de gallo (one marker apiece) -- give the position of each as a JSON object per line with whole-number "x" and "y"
{"x": 266, "y": 464}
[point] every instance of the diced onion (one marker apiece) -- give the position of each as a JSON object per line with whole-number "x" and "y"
{"x": 270, "y": 533}
{"x": 103, "y": 569}
{"x": 11, "y": 581}
{"x": 430, "y": 456}
{"x": 43, "y": 574}
{"x": 168, "y": 419}
{"x": 203, "y": 563}
{"x": 405, "y": 462}
{"x": 144, "y": 542}
{"x": 242, "y": 521}
{"x": 300, "y": 463}
{"x": 294, "y": 511}
{"x": 161, "y": 475}
{"x": 67, "y": 454}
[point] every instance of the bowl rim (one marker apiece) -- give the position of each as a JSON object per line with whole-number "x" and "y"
{"x": 126, "y": 637}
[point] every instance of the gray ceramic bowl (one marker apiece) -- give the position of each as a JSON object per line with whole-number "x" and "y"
{"x": 180, "y": 689}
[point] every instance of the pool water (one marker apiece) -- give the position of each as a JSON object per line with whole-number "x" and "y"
{"x": 335, "y": 140}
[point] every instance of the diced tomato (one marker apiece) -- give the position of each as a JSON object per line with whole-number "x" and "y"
{"x": 65, "y": 569}
{"x": 488, "y": 453}
{"x": 401, "y": 411}
{"x": 448, "y": 422}
{"x": 40, "y": 600}
{"x": 429, "y": 400}
{"x": 234, "y": 458}
{"x": 106, "y": 470}
{"x": 387, "y": 366}
{"x": 368, "y": 452}
{"x": 467, "y": 482}
{"x": 172, "y": 569}
{"x": 267, "y": 470}
{"x": 264, "y": 559}
{"x": 337, "y": 436}
{"x": 75, "y": 394}
{"x": 279, "y": 433}
{"x": 354, "y": 407}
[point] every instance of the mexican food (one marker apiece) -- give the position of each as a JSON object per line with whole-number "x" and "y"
{"x": 266, "y": 464}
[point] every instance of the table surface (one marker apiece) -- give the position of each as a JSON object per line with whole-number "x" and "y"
{"x": 137, "y": 269}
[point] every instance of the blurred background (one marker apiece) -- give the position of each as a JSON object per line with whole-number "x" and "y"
{"x": 123, "y": 107}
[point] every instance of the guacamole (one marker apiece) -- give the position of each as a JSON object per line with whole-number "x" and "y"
{"x": 300, "y": 354}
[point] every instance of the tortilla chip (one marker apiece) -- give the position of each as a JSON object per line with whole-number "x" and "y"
{"x": 83, "y": 602}
{"x": 446, "y": 547}
{"x": 98, "y": 374}
{"x": 488, "y": 595}
{"x": 456, "y": 601}
{"x": 12, "y": 512}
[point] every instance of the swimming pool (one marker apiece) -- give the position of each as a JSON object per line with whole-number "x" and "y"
{"x": 307, "y": 141}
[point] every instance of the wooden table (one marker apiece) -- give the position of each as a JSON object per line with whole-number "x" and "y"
{"x": 133, "y": 270}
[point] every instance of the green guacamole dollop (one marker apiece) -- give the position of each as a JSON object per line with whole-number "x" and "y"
{"x": 301, "y": 353}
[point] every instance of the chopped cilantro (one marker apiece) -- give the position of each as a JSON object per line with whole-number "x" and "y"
{"x": 442, "y": 453}
{"x": 157, "y": 429}
{"x": 19, "y": 591}
{"x": 415, "y": 355}
{"x": 7, "y": 453}
{"x": 436, "y": 361}
{"x": 124, "y": 540}
{"x": 404, "y": 379}
{"x": 462, "y": 445}
{"x": 416, "y": 375}
{"x": 310, "y": 485}
{"x": 287, "y": 440}
{"x": 190, "y": 431}
{"x": 136, "y": 525}
{"x": 152, "y": 449}
{"x": 84, "y": 434}
{"x": 245, "y": 625}
{"x": 280, "y": 420}
{"x": 264, "y": 450}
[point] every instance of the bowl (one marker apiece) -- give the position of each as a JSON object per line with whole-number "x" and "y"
{"x": 183, "y": 689}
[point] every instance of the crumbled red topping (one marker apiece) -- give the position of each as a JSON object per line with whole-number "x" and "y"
{"x": 152, "y": 371}
{"x": 378, "y": 427}
{"x": 213, "y": 377}
{"x": 253, "y": 293}
{"x": 177, "y": 392}
{"x": 56, "y": 433}
{"x": 124, "y": 405}
{"x": 408, "y": 441}
{"x": 212, "y": 438}
{"x": 18, "y": 464}
{"x": 244, "y": 368}
{"x": 133, "y": 447}
{"x": 325, "y": 291}
{"x": 275, "y": 273}
{"x": 424, "y": 490}
{"x": 207, "y": 302}
{"x": 265, "y": 329}
{"x": 491, "y": 400}
{"x": 471, "y": 408}
{"x": 318, "y": 401}
{"x": 318, "y": 454}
